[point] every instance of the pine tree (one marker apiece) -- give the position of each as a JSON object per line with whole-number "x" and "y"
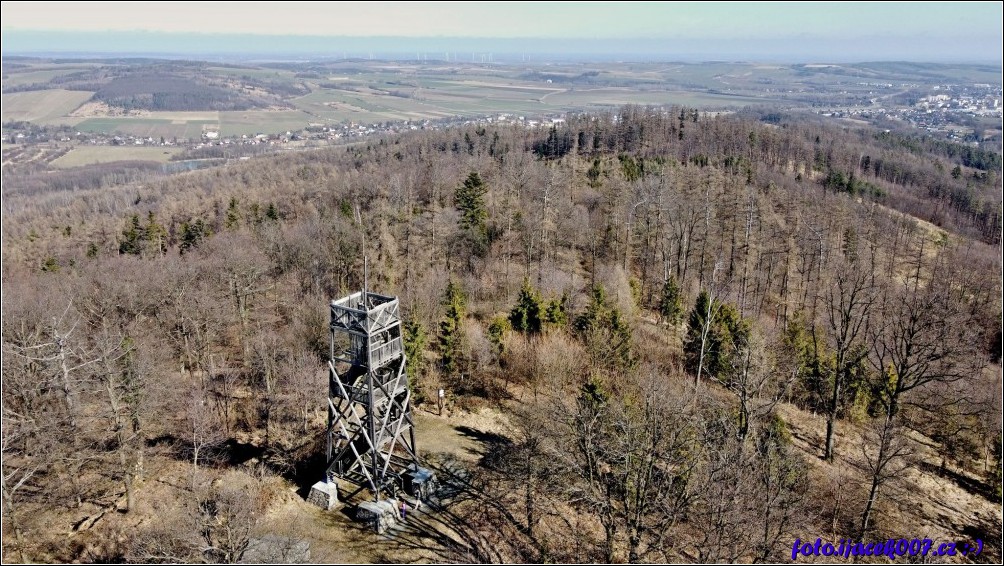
{"x": 593, "y": 396}
{"x": 255, "y": 213}
{"x": 799, "y": 348}
{"x": 414, "y": 346}
{"x": 50, "y": 265}
{"x": 732, "y": 335}
{"x": 155, "y": 234}
{"x": 556, "y": 312}
{"x": 695, "y": 344}
{"x": 233, "y": 215}
{"x": 714, "y": 329}
{"x": 606, "y": 334}
{"x": 671, "y": 302}
{"x": 525, "y": 316}
{"x": 192, "y": 234}
{"x": 451, "y": 337}
{"x": 132, "y": 237}
{"x": 497, "y": 330}
{"x": 470, "y": 200}
{"x": 593, "y": 174}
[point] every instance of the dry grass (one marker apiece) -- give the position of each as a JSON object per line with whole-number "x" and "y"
{"x": 100, "y": 533}
{"x": 918, "y": 503}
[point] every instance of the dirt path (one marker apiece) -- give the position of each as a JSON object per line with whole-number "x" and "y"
{"x": 543, "y": 99}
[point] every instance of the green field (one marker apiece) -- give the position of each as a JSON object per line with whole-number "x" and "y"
{"x": 365, "y": 105}
{"x": 425, "y": 98}
{"x": 89, "y": 154}
{"x": 43, "y": 106}
{"x": 261, "y": 121}
{"x": 147, "y": 127}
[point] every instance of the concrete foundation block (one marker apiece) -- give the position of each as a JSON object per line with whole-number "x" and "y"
{"x": 381, "y": 515}
{"x": 324, "y": 495}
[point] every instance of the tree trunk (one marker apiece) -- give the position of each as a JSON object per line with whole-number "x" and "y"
{"x": 831, "y": 418}
{"x": 530, "y": 507}
{"x": 633, "y": 543}
{"x": 8, "y": 497}
{"x": 866, "y": 516}
{"x": 120, "y": 438}
{"x": 67, "y": 390}
{"x": 611, "y": 531}
{"x": 877, "y": 478}
{"x": 704, "y": 341}
{"x": 127, "y": 479}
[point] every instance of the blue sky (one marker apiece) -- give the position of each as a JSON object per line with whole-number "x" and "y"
{"x": 872, "y": 31}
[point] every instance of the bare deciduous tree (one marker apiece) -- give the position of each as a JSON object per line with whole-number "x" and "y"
{"x": 848, "y": 304}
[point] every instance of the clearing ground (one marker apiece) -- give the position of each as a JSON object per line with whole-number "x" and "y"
{"x": 457, "y": 433}
{"x": 427, "y": 536}
{"x": 96, "y": 108}
{"x": 333, "y": 536}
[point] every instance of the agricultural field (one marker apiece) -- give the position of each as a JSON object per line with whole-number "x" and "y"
{"x": 262, "y": 121}
{"x": 255, "y": 73}
{"x": 39, "y": 72}
{"x": 372, "y": 105}
{"x": 88, "y": 154}
{"x": 340, "y": 92}
{"x": 37, "y": 77}
{"x": 148, "y": 126}
{"x": 598, "y": 98}
{"x": 44, "y": 107}
{"x": 183, "y": 99}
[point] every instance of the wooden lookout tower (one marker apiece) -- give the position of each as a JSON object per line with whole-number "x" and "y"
{"x": 371, "y": 434}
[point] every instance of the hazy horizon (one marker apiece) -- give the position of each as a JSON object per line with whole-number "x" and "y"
{"x": 507, "y": 32}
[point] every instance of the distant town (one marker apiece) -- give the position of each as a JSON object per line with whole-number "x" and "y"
{"x": 79, "y": 112}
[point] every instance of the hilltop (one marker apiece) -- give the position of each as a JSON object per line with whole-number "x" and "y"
{"x": 653, "y": 314}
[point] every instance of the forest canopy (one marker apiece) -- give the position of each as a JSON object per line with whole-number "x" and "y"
{"x": 660, "y": 303}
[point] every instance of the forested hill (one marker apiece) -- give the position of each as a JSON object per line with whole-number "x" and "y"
{"x": 661, "y": 303}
